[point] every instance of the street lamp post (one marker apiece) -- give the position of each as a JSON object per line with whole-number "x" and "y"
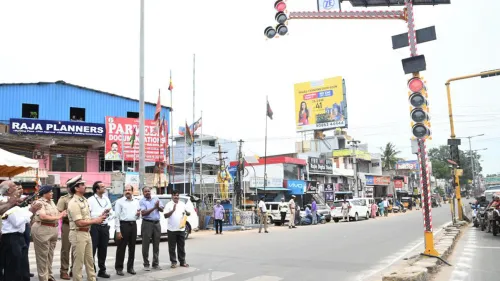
{"x": 472, "y": 158}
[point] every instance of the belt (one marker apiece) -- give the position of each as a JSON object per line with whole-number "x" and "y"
{"x": 127, "y": 222}
{"x": 151, "y": 221}
{"x": 82, "y": 229}
{"x": 49, "y": 224}
{"x": 103, "y": 225}
{"x": 65, "y": 222}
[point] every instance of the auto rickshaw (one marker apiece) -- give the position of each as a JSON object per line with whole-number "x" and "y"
{"x": 407, "y": 202}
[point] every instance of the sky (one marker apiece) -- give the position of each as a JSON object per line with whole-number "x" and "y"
{"x": 96, "y": 44}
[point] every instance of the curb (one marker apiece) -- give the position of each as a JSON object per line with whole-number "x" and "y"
{"x": 423, "y": 268}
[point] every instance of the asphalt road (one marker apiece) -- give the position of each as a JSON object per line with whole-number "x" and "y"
{"x": 475, "y": 258}
{"x": 344, "y": 251}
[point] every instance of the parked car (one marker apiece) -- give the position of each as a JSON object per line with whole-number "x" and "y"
{"x": 322, "y": 210}
{"x": 357, "y": 209}
{"x": 192, "y": 223}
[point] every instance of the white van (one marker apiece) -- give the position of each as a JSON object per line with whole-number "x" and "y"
{"x": 191, "y": 224}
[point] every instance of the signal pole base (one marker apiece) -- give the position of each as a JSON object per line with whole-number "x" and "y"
{"x": 429, "y": 245}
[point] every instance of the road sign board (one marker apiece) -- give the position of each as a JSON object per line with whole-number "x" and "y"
{"x": 423, "y": 35}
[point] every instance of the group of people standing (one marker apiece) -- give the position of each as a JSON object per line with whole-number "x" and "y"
{"x": 85, "y": 231}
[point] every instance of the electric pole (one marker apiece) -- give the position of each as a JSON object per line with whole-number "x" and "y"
{"x": 354, "y": 146}
{"x": 238, "y": 185}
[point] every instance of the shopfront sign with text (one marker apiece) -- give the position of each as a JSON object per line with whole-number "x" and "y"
{"x": 51, "y": 127}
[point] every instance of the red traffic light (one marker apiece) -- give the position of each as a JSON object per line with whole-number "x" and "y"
{"x": 415, "y": 84}
{"x": 280, "y": 6}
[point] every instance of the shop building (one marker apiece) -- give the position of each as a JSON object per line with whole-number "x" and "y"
{"x": 64, "y": 126}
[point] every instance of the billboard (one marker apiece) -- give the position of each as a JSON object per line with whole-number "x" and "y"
{"x": 119, "y": 127}
{"x": 51, "y": 127}
{"x": 320, "y": 105}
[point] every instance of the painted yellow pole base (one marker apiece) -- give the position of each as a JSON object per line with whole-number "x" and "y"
{"x": 429, "y": 244}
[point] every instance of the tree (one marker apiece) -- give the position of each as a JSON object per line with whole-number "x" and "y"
{"x": 441, "y": 168}
{"x": 389, "y": 157}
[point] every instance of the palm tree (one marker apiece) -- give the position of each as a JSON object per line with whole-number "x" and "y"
{"x": 389, "y": 156}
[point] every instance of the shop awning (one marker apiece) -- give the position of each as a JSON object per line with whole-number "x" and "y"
{"x": 273, "y": 189}
{"x": 12, "y": 164}
{"x": 42, "y": 173}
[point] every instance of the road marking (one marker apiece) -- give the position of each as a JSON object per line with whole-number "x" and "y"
{"x": 214, "y": 275}
{"x": 265, "y": 278}
{"x": 163, "y": 274}
{"x": 484, "y": 247}
{"x": 398, "y": 258}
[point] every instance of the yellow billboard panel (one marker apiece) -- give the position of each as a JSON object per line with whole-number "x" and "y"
{"x": 320, "y": 105}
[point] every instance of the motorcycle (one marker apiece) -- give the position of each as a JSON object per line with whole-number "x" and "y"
{"x": 475, "y": 219}
{"x": 307, "y": 220}
{"x": 495, "y": 222}
{"x": 482, "y": 218}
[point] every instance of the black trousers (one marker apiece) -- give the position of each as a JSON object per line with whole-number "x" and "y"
{"x": 15, "y": 257}
{"x": 177, "y": 239}
{"x": 129, "y": 235}
{"x": 283, "y": 216}
{"x": 150, "y": 231}
{"x": 100, "y": 240}
{"x": 218, "y": 226}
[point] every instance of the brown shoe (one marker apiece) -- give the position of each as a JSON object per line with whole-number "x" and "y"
{"x": 65, "y": 276}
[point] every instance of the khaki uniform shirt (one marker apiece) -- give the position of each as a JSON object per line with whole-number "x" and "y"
{"x": 50, "y": 209}
{"x": 78, "y": 209}
{"x": 62, "y": 205}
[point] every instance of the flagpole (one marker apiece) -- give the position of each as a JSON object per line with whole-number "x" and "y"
{"x": 142, "y": 148}
{"x": 201, "y": 153}
{"x": 192, "y": 135}
{"x": 159, "y": 150}
{"x": 265, "y": 153}
{"x": 185, "y": 152}
{"x": 171, "y": 156}
{"x": 123, "y": 153}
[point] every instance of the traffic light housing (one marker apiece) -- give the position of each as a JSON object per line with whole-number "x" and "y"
{"x": 281, "y": 18}
{"x": 419, "y": 109}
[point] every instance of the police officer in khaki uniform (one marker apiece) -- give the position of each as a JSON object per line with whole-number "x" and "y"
{"x": 62, "y": 205}
{"x": 44, "y": 233}
{"x": 79, "y": 225}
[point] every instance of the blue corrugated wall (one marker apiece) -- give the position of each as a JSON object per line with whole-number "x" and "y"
{"x": 55, "y": 99}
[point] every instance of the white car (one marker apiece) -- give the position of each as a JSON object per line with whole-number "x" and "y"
{"x": 191, "y": 224}
{"x": 357, "y": 209}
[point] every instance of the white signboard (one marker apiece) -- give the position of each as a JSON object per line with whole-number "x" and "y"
{"x": 271, "y": 182}
{"x": 328, "y": 5}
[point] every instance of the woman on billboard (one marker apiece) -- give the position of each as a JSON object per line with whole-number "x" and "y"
{"x": 335, "y": 113}
{"x": 303, "y": 114}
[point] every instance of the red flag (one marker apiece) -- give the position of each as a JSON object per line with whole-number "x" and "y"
{"x": 158, "y": 108}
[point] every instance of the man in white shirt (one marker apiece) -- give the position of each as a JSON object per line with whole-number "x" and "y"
{"x": 16, "y": 266}
{"x": 291, "y": 207}
{"x": 263, "y": 215}
{"x": 127, "y": 212}
{"x": 99, "y": 203}
{"x": 386, "y": 207}
{"x": 283, "y": 207}
{"x": 175, "y": 211}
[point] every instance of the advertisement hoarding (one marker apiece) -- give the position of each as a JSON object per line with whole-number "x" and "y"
{"x": 118, "y": 127}
{"x": 407, "y": 165}
{"x": 296, "y": 187}
{"x": 51, "y": 127}
{"x": 311, "y": 187}
{"x": 320, "y": 165}
{"x": 320, "y": 105}
{"x": 377, "y": 180}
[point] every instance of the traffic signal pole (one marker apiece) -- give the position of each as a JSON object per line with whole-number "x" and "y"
{"x": 457, "y": 172}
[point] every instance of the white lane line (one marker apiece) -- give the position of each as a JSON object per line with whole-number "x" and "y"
{"x": 401, "y": 256}
{"x": 163, "y": 274}
{"x": 265, "y": 278}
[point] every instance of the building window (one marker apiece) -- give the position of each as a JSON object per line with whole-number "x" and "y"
{"x": 77, "y": 114}
{"x": 30, "y": 110}
{"x": 211, "y": 143}
{"x": 68, "y": 162}
{"x": 131, "y": 114}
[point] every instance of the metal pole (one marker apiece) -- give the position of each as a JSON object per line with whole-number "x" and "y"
{"x": 142, "y": 152}
{"x": 185, "y": 153}
{"x": 265, "y": 153}
{"x": 201, "y": 153}
{"x": 171, "y": 125}
{"x": 193, "y": 166}
{"x": 123, "y": 153}
{"x": 472, "y": 164}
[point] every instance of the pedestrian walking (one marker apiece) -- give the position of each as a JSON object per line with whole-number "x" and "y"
{"x": 417, "y": 204}
{"x": 381, "y": 208}
{"x": 314, "y": 211}
{"x": 374, "y": 210}
{"x": 127, "y": 211}
{"x": 62, "y": 205}
{"x": 150, "y": 228}
{"x": 283, "y": 206}
{"x": 345, "y": 210}
{"x": 386, "y": 207}
{"x": 79, "y": 225}
{"x": 291, "y": 207}
{"x": 262, "y": 215}
{"x": 218, "y": 217}
{"x": 176, "y": 213}
{"x": 99, "y": 204}
{"x": 45, "y": 233}
{"x": 14, "y": 251}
